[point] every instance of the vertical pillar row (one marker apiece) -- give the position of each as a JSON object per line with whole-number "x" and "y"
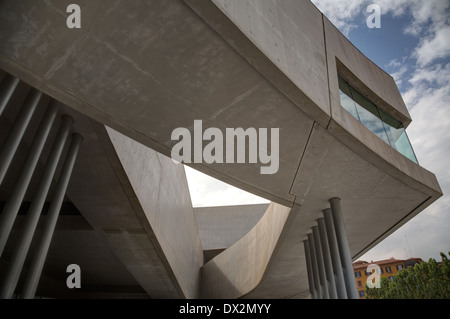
{"x": 43, "y": 245}
{"x": 335, "y": 256}
{"x": 17, "y": 131}
{"x": 315, "y": 268}
{"x": 327, "y": 259}
{"x": 7, "y": 88}
{"x": 19, "y": 254}
{"x": 12, "y": 205}
{"x": 344, "y": 248}
{"x": 309, "y": 269}
{"x": 11, "y": 209}
{"x": 320, "y": 263}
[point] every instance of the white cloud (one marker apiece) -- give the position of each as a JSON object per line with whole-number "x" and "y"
{"x": 434, "y": 47}
{"x": 427, "y": 98}
{"x": 399, "y": 69}
{"x": 341, "y": 12}
{"x": 435, "y": 74}
{"x": 429, "y": 132}
{"x": 426, "y": 94}
{"x": 428, "y": 19}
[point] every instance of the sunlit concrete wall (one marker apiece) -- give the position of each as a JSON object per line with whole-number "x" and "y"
{"x": 379, "y": 87}
{"x": 239, "y": 268}
{"x": 290, "y": 34}
{"x": 162, "y": 190}
{"x": 302, "y": 43}
{"x": 220, "y": 227}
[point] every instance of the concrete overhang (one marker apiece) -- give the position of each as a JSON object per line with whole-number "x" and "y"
{"x": 102, "y": 226}
{"x": 147, "y": 67}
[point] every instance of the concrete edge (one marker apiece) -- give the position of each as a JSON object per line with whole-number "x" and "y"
{"x": 239, "y": 269}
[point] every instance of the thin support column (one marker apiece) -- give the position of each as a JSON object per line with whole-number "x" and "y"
{"x": 309, "y": 269}
{"x": 320, "y": 263}
{"x": 20, "y": 252}
{"x": 335, "y": 256}
{"x": 17, "y": 131}
{"x": 327, "y": 259}
{"x": 12, "y": 206}
{"x": 8, "y": 86}
{"x": 315, "y": 267}
{"x": 43, "y": 245}
{"x": 344, "y": 248}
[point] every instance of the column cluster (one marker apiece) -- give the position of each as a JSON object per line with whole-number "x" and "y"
{"x": 328, "y": 259}
{"x": 64, "y": 139}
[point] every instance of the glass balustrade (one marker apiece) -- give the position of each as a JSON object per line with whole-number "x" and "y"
{"x": 383, "y": 125}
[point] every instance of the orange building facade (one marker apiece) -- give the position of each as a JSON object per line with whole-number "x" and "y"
{"x": 388, "y": 268}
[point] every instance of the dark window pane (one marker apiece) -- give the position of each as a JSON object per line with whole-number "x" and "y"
{"x": 369, "y": 116}
{"x": 349, "y": 105}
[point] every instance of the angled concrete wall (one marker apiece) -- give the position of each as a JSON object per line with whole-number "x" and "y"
{"x": 101, "y": 191}
{"x": 220, "y": 227}
{"x": 277, "y": 28}
{"x": 231, "y": 63}
{"x": 238, "y": 269}
{"x": 161, "y": 187}
{"x": 379, "y": 87}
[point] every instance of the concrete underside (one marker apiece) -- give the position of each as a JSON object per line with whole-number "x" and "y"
{"x": 145, "y": 68}
{"x": 102, "y": 228}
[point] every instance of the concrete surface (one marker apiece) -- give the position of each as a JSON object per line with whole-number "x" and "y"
{"x": 161, "y": 187}
{"x": 239, "y": 268}
{"x": 144, "y": 68}
{"x": 222, "y": 226}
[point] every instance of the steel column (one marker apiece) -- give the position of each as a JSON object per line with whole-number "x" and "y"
{"x": 43, "y": 245}
{"x": 320, "y": 263}
{"x": 20, "y": 252}
{"x": 8, "y": 86}
{"x": 17, "y": 131}
{"x": 309, "y": 269}
{"x": 335, "y": 256}
{"x": 315, "y": 267}
{"x": 344, "y": 248}
{"x": 12, "y": 206}
{"x": 327, "y": 259}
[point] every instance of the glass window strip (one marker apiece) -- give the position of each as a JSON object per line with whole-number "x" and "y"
{"x": 379, "y": 122}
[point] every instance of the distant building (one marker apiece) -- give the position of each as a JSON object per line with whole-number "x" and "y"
{"x": 388, "y": 268}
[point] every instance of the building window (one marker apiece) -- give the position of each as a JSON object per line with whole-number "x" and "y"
{"x": 380, "y": 123}
{"x": 357, "y": 274}
{"x": 391, "y": 278}
{"x": 399, "y": 267}
{"x": 361, "y": 293}
{"x": 359, "y": 283}
{"x": 388, "y": 269}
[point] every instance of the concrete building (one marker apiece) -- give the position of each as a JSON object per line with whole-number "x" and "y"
{"x": 137, "y": 70}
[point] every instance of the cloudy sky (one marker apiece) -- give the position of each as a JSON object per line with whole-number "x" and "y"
{"x": 413, "y": 45}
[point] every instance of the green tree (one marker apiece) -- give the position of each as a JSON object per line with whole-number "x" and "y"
{"x": 428, "y": 280}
